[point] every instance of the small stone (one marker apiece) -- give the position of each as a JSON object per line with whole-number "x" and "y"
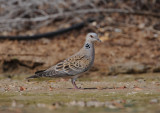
{"x": 41, "y": 105}
{"x": 45, "y": 41}
{"x": 155, "y": 35}
{"x": 153, "y": 101}
{"x": 21, "y": 105}
{"x": 141, "y": 26}
{"x": 81, "y": 104}
{"x": 14, "y": 104}
{"x": 94, "y": 23}
{"x": 117, "y": 30}
{"x": 112, "y": 106}
{"x": 77, "y": 103}
{"x": 94, "y": 104}
{"x": 106, "y": 104}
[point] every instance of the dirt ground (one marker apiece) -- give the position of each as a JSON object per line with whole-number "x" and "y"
{"x": 125, "y": 49}
{"x": 131, "y": 41}
{"x": 124, "y": 93}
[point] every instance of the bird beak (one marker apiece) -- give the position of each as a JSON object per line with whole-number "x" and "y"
{"x": 99, "y": 40}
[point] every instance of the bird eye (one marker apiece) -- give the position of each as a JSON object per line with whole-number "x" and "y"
{"x": 91, "y": 36}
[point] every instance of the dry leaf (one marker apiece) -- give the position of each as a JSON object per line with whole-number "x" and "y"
{"x": 50, "y": 88}
{"x": 123, "y": 87}
{"x": 22, "y": 88}
{"x": 118, "y": 105}
{"x": 137, "y": 88}
{"x": 100, "y": 88}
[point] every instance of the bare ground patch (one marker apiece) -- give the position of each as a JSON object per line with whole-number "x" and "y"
{"x": 125, "y": 93}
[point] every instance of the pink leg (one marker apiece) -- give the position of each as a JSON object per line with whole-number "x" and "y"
{"x": 74, "y": 84}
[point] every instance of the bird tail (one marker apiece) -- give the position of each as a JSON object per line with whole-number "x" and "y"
{"x": 33, "y": 76}
{"x": 37, "y": 74}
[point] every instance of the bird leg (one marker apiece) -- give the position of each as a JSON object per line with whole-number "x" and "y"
{"x": 74, "y": 84}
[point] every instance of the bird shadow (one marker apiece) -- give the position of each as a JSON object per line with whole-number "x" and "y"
{"x": 92, "y": 88}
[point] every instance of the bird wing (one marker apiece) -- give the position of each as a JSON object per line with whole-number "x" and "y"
{"x": 74, "y": 65}
{"x": 47, "y": 73}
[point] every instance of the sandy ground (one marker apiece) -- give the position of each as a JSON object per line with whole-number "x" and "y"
{"x": 127, "y": 93}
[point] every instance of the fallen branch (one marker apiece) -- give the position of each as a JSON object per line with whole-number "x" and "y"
{"x": 83, "y": 11}
{"x": 67, "y": 14}
{"x": 49, "y": 34}
{"x": 29, "y": 54}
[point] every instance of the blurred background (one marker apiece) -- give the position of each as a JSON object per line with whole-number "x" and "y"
{"x": 129, "y": 29}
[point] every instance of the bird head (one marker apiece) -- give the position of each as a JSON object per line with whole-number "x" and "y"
{"x": 92, "y": 37}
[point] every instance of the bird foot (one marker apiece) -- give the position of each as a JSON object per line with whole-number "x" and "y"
{"x": 78, "y": 87}
{"x": 75, "y": 86}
